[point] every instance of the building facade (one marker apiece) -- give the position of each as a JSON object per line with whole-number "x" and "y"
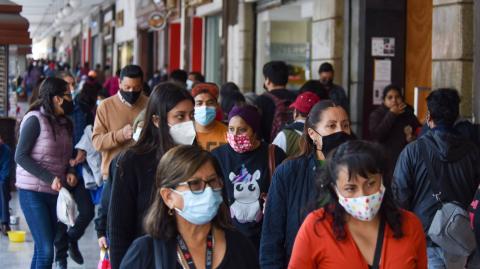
{"x": 418, "y": 45}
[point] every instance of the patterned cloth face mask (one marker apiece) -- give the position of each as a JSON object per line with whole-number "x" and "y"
{"x": 240, "y": 143}
{"x": 363, "y": 208}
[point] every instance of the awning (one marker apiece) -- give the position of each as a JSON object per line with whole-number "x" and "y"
{"x": 13, "y": 27}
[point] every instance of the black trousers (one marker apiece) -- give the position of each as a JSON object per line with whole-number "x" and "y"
{"x": 86, "y": 212}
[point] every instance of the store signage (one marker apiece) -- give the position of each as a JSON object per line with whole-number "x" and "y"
{"x": 157, "y": 21}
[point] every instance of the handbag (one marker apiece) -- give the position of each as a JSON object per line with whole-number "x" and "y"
{"x": 450, "y": 228}
{"x": 104, "y": 262}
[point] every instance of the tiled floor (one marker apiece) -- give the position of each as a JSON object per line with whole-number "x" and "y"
{"x": 18, "y": 255}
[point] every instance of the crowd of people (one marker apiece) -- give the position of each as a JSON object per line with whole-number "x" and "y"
{"x": 187, "y": 174}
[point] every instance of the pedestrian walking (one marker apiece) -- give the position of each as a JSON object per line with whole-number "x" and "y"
{"x": 168, "y": 122}
{"x": 361, "y": 226}
{"x": 43, "y": 152}
{"x": 210, "y": 133}
{"x": 292, "y": 195}
{"x": 247, "y": 165}
{"x": 188, "y": 224}
{"x": 275, "y": 101}
{"x": 440, "y": 168}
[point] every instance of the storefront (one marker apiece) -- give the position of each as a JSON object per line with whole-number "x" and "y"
{"x": 125, "y": 54}
{"x": 96, "y": 51}
{"x": 152, "y": 22}
{"x": 213, "y": 48}
{"x": 207, "y": 25}
{"x": 108, "y": 35}
{"x": 284, "y": 32}
{"x": 125, "y": 33}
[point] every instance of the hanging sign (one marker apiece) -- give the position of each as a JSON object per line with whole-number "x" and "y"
{"x": 157, "y": 21}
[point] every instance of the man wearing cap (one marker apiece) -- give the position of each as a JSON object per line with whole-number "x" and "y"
{"x": 288, "y": 139}
{"x": 210, "y": 132}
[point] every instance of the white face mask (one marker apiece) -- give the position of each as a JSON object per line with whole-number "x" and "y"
{"x": 363, "y": 208}
{"x": 137, "y": 133}
{"x": 189, "y": 84}
{"x": 183, "y": 133}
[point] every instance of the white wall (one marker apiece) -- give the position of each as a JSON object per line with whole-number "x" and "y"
{"x": 40, "y": 48}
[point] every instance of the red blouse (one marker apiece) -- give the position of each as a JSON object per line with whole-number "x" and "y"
{"x": 316, "y": 247}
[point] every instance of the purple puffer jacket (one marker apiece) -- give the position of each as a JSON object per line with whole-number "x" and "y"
{"x": 50, "y": 153}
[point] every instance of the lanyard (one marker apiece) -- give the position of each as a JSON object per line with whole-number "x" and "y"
{"x": 188, "y": 256}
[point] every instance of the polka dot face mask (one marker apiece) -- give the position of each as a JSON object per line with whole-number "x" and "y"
{"x": 363, "y": 208}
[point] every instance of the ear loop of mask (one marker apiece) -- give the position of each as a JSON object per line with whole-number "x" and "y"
{"x": 316, "y": 146}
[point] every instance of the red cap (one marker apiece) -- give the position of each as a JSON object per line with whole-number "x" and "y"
{"x": 305, "y": 102}
{"x": 211, "y": 88}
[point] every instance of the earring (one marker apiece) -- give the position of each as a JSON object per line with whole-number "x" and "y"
{"x": 170, "y": 211}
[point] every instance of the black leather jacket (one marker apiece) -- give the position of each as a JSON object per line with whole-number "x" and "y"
{"x": 455, "y": 160}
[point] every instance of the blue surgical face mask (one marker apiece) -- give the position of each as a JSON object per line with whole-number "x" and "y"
{"x": 204, "y": 115}
{"x": 200, "y": 208}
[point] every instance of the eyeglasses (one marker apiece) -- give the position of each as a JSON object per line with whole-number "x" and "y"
{"x": 197, "y": 185}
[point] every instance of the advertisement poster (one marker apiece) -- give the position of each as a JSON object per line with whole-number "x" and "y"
{"x": 383, "y": 46}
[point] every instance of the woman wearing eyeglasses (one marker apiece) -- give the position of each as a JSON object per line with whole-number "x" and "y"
{"x": 43, "y": 151}
{"x": 188, "y": 225}
{"x": 169, "y": 106}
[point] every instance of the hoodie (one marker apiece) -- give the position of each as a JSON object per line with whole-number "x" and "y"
{"x": 456, "y": 164}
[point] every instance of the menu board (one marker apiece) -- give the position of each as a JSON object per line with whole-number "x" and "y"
{"x": 3, "y": 80}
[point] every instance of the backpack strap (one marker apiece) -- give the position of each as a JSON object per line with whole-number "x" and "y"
{"x": 379, "y": 246}
{"x": 271, "y": 161}
{"x": 297, "y": 126}
{"x": 431, "y": 176}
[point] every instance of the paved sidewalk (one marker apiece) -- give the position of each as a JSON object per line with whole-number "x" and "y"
{"x": 19, "y": 255}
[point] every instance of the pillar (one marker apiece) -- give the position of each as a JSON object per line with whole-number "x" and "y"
{"x": 327, "y": 36}
{"x": 452, "y": 49}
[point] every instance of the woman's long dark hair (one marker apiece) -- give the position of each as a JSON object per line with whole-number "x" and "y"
{"x": 88, "y": 95}
{"x": 50, "y": 88}
{"x": 314, "y": 117}
{"x": 177, "y": 166}
{"x": 164, "y": 98}
{"x": 361, "y": 158}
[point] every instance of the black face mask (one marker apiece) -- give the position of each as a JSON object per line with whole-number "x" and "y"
{"x": 67, "y": 107}
{"x": 130, "y": 97}
{"x": 327, "y": 83}
{"x": 330, "y": 142}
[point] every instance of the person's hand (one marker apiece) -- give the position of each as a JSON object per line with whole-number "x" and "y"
{"x": 80, "y": 158}
{"x": 71, "y": 180}
{"x": 127, "y": 132}
{"x": 56, "y": 184}
{"x": 102, "y": 242}
{"x": 398, "y": 109}
{"x": 408, "y": 131}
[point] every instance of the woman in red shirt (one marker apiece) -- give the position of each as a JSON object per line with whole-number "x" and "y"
{"x": 361, "y": 227}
